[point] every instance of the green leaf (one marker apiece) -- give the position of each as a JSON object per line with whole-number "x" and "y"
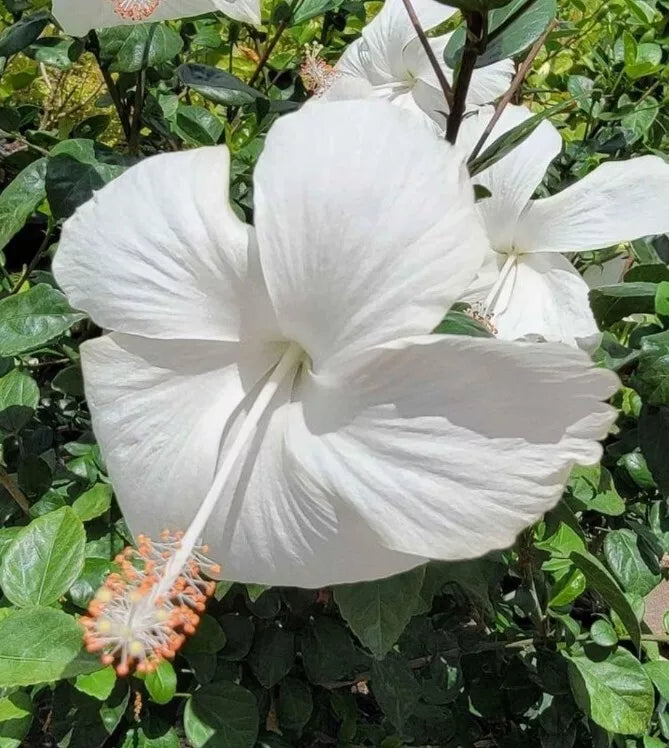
{"x": 99, "y": 685}
{"x": 161, "y": 683}
{"x": 39, "y": 645}
{"x": 21, "y": 198}
{"x": 44, "y": 559}
{"x": 208, "y": 638}
{"x": 24, "y": 32}
{"x": 651, "y": 379}
{"x": 311, "y": 8}
{"x": 615, "y": 691}
{"x": 623, "y": 555}
{"x": 570, "y": 586}
{"x": 30, "y": 319}
{"x": 221, "y": 715}
{"x": 90, "y": 580}
{"x": 272, "y": 655}
{"x": 328, "y": 652}
{"x": 654, "y": 443}
{"x": 94, "y": 502}
{"x": 197, "y": 125}
{"x": 592, "y": 489}
{"x": 512, "y": 31}
{"x": 75, "y": 169}
{"x": 217, "y": 85}
{"x": 19, "y": 397}
{"x": 395, "y": 688}
{"x": 511, "y": 139}
{"x": 238, "y": 632}
{"x": 603, "y": 633}
{"x": 16, "y": 715}
{"x": 151, "y": 733}
{"x": 295, "y": 705}
{"x": 611, "y": 303}
{"x": 379, "y": 611}
{"x": 599, "y": 579}
{"x": 658, "y": 670}
{"x": 128, "y": 49}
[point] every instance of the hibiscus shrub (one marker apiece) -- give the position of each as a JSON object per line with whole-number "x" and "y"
{"x": 558, "y": 641}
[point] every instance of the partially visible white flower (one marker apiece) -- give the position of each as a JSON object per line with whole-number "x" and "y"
{"x": 389, "y": 62}
{"x": 276, "y": 389}
{"x": 525, "y": 283}
{"x": 77, "y": 17}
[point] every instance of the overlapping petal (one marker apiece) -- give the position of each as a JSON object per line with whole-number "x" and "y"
{"x": 513, "y": 179}
{"x": 78, "y": 17}
{"x": 373, "y": 243}
{"x": 452, "y": 445}
{"x": 160, "y": 410}
{"x": 618, "y": 201}
{"x": 159, "y": 252}
{"x": 544, "y": 295}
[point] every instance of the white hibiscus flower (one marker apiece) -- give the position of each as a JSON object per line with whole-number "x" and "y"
{"x": 527, "y": 286}
{"x": 276, "y": 389}
{"x": 77, "y": 17}
{"x": 389, "y": 62}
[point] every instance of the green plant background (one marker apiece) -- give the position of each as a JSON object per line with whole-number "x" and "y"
{"x": 553, "y": 643}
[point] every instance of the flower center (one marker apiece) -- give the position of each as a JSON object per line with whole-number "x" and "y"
{"x": 316, "y": 74}
{"x": 135, "y": 10}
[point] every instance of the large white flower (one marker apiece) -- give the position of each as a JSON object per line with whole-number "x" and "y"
{"x": 77, "y": 17}
{"x": 389, "y": 62}
{"x": 286, "y": 372}
{"x": 525, "y": 283}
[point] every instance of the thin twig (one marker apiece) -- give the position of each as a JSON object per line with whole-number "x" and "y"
{"x": 33, "y": 263}
{"x": 427, "y": 47}
{"x": 133, "y": 140}
{"x": 20, "y": 139}
{"x": 14, "y": 491}
{"x": 515, "y": 85}
{"x": 273, "y": 42}
{"x": 477, "y": 37}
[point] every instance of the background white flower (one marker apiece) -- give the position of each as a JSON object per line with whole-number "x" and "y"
{"x": 373, "y": 445}
{"x": 77, "y": 17}
{"x": 389, "y": 62}
{"x": 525, "y": 283}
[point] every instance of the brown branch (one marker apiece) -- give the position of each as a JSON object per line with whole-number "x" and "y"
{"x": 14, "y": 491}
{"x": 515, "y": 85}
{"x": 425, "y": 42}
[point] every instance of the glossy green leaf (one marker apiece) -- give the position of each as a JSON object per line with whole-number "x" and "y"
{"x": 44, "y": 559}
{"x": 161, "y": 683}
{"x": 94, "y": 502}
{"x": 625, "y": 559}
{"x": 20, "y": 199}
{"x": 611, "y": 303}
{"x": 24, "y": 32}
{"x": 16, "y": 716}
{"x": 221, "y": 715}
{"x": 128, "y": 49}
{"x": 99, "y": 684}
{"x": 614, "y": 691}
{"x": 378, "y": 612}
{"x": 30, "y": 319}
{"x": 39, "y": 645}
{"x": 19, "y": 397}
{"x": 217, "y": 85}
{"x": 651, "y": 379}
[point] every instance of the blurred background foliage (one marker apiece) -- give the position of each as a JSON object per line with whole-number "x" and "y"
{"x": 558, "y": 642}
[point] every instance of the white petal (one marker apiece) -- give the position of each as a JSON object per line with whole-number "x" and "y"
{"x": 490, "y": 82}
{"x": 619, "y": 201}
{"x": 513, "y": 179}
{"x": 160, "y": 411}
{"x": 449, "y": 446}
{"x": 544, "y": 295}
{"x": 77, "y": 17}
{"x": 284, "y": 527}
{"x": 165, "y": 411}
{"x": 372, "y": 239}
{"x": 378, "y": 54}
{"x": 159, "y": 252}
